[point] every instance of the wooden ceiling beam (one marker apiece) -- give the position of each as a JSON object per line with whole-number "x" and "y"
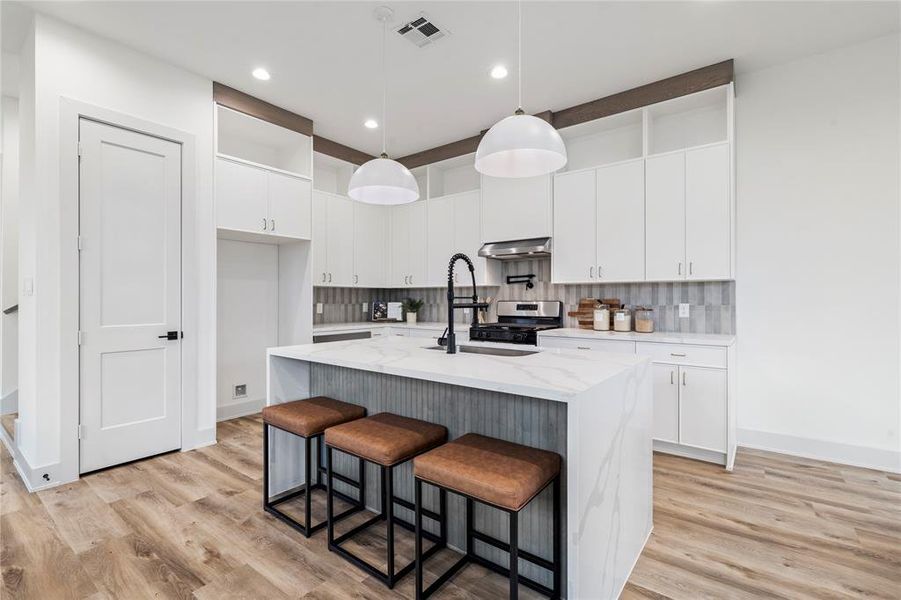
{"x": 339, "y": 151}
{"x": 247, "y": 104}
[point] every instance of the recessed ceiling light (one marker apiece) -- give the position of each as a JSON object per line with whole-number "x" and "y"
{"x": 499, "y": 72}
{"x": 261, "y": 74}
{"x": 370, "y": 124}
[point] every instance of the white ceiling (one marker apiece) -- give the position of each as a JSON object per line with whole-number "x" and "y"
{"x": 324, "y": 56}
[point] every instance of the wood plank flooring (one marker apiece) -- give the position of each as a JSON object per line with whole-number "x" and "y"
{"x": 190, "y": 524}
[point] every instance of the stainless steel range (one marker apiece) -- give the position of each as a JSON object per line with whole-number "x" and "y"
{"x": 518, "y": 322}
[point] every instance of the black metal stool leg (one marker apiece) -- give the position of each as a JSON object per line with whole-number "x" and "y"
{"x": 389, "y": 502}
{"x": 329, "y": 506}
{"x": 470, "y": 526}
{"x": 514, "y": 556}
{"x": 442, "y": 510}
{"x": 265, "y": 465}
{"x": 307, "y": 445}
{"x": 418, "y": 533}
{"x": 558, "y": 553}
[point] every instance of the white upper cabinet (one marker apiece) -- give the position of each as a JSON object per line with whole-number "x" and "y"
{"x": 320, "y": 238}
{"x": 574, "y": 253}
{"x": 620, "y": 222}
{"x": 665, "y": 217}
{"x": 333, "y": 240}
{"x": 441, "y": 238}
{"x": 370, "y": 245}
{"x": 708, "y": 219}
{"x": 241, "y": 197}
{"x": 254, "y": 200}
{"x": 516, "y": 209}
{"x": 467, "y": 239}
{"x": 408, "y": 245}
{"x": 290, "y": 200}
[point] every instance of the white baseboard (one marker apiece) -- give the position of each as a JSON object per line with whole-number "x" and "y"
{"x": 845, "y": 454}
{"x": 239, "y": 409}
{"x": 710, "y": 456}
{"x": 31, "y": 478}
{"x": 10, "y": 402}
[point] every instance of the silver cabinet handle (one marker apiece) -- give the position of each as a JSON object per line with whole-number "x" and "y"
{"x": 583, "y": 348}
{"x": 671, "y": 377}
{"x": 677, "y": 354}
{"x": 264, "y": 224}
{"x": 683, "y": 378}
{"x": 356, "y": 279}
{"x": 680, "y": 268}
{"x": 323, "y": 277}
{"x": 329, "y": 277}
{"x": 591, "y": 272}
{"x": 272, "y": 222}
{"x": 599, "y": 271}
{"x": 691, "y": 266}
{"x": 411, "y": 279}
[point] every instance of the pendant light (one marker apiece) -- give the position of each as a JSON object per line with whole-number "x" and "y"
{"x": 382, "y": 180}
{"x": 520, "y": 145}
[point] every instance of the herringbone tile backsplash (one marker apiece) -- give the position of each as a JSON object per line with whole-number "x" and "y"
{"x": 711, "y": 303}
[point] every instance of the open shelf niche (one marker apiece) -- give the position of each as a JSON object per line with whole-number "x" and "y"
{"x": 253, "y": 140}
{"x": 453, "y": 176}
{"x": 331, "y": 174}
{"x": 688, "y": 121}
{"x": 603, "y": 141}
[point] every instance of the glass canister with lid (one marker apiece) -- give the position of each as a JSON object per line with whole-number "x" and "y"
{"x": 644, "y": 319}
{"x": 622, "y": 319}
{"x": 601, "y": 317}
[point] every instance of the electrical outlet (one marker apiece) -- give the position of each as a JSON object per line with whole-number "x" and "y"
{"x": 683, "y": 310}
{"x": 319, "y": 308}
{"x": 365, "y": 308}
{"x": 240, "y": 391}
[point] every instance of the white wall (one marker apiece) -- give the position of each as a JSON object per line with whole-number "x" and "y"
{"x": 9, "y": 252}
{"x": 817, "y": 291}
{"x": 66, "y": 62}
{"x": 247, "y": 308}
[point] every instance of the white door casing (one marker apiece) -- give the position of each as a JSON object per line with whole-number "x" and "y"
{"x": 130, "y": 294}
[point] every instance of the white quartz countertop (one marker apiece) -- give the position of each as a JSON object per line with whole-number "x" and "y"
{"x": 363, "y": 325}
{"x": 551, "y": 374}
{"x": 664, "y": 337}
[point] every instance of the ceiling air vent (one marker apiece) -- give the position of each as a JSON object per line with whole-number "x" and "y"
{"x": 421, "y": 31}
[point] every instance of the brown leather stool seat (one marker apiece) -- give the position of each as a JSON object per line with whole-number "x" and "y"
{"x": 493, "y": 471}
{"x": 312, "y": 416}
{"x": 386, "y": 439}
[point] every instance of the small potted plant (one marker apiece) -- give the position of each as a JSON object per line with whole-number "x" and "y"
{"x": 411, "y": 307}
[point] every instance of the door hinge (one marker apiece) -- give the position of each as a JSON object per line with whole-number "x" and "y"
{"x": 80, "y": 431}
{"x": 80, "y": 337}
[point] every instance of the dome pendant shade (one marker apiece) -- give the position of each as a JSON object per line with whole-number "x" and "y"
{"x": 383, "y": 181}
{"x": 520, "y": 146}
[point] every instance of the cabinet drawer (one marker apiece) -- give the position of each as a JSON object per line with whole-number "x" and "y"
{"x": 683, "y": 354}
{"x": 622, "y": 346}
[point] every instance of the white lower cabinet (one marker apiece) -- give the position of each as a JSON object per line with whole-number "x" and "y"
{"x": 702, "y": 408}
{"x": 666, "y": 403}
{"x": 692, "y": 403}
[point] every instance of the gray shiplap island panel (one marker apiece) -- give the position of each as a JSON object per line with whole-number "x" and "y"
{"x": 529, "y": 421}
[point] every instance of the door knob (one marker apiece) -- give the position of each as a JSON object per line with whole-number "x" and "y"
{"x": 170, "y": 335}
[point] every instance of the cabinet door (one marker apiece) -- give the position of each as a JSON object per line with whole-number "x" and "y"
{"x": 370, "y": 245}
{"x": 241, "y": 201}
{"x": 665, "y": 217}
{"x": 666, "y": 402}
{"x": 289, "y": 206}
{"x": 320, "y": 238}
{"x": 575, "y": 226}
{"x": 702, "y": 408}
{"x": 515, "y": 209}
{"x": 417, "y": 249}
{"x": 340, "y": 241}
{"x": 620, "y": 222}
{"x": 468, "y": 240}
{"x": 441, "y": 238}
{"x": 708, "y": 228}
{"x": 399, "y": 246}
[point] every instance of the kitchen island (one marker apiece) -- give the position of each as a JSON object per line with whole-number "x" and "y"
{"x": 592, "y": 409}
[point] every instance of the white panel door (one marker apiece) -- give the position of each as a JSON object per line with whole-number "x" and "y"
{"x": 702, "y": 408}
{"x": 707, "y": 213}
{"x": 241, "y": 197}
{"x": 289, "y": 206}
{"x": 441, "y": 238}
{"x": 666, "y": 402}
{"x": 515, "y": 209}
{"x": 399, "y": 246}
{"x": 130, "y": 295}
{"x": 418, "y": 261}
{"x": 340, "y": 240}
{"x": 575, "y": 227}
{"x": 370, "y": 245}
{"x": 665, "y": 217}
{"x": 320, "y": 238}
{"x": 620, "y": 222}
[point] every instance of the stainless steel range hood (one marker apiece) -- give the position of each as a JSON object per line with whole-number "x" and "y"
{"x": 517, "y": 249}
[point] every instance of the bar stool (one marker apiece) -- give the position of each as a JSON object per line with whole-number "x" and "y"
{"x": 500, "y": 474}
{"x": 308, "y": 419}
{"x": 386, "y": 440}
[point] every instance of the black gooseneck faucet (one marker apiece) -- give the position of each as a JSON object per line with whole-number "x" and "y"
{"x": 475, "y": 305}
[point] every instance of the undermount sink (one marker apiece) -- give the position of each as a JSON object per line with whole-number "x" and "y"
{"x": 487, "y": 350}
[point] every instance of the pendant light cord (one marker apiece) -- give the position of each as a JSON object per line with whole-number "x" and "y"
{"x": 384, "y": 88}
{"x": 519, "y": 52}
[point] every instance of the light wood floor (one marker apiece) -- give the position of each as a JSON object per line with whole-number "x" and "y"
{"x": 190, "y": 524}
